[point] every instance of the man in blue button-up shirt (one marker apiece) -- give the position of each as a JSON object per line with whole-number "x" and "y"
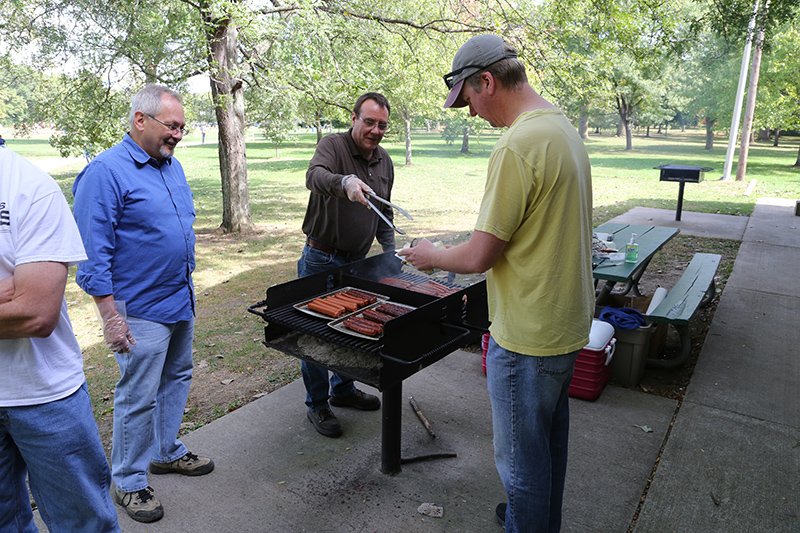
{"x": 135, "y": 213}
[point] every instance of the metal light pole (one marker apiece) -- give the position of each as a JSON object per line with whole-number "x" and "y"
{"x": 737, "y": 106}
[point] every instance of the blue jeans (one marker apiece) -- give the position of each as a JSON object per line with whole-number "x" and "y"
{"x": 149, "y": 400}
{"x": 57, "y": 445}
{"x": 315, "y": 377}
{"x": 530, "y": 410}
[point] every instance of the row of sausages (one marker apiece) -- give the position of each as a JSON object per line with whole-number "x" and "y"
{"x": 371, "y": 321}
{"x": 335, "y": 305}
{"x": 430, "y": 287}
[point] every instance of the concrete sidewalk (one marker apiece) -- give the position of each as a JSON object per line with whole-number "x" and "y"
{"x": 732, "y": 460}
{"x": 730, "y": 451}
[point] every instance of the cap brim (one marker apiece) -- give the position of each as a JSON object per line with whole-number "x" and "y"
{"x": 454, "y": 98}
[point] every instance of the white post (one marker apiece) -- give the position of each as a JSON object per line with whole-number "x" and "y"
{"x": 737, "y": 106}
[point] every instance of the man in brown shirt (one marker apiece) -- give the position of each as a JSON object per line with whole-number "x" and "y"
{"x": 345, "y": 166}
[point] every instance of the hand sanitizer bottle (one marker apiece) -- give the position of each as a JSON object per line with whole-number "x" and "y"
{"x": 632, "y": 250}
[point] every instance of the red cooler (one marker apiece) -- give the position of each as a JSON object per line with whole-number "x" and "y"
{"x": 591, "y": 367}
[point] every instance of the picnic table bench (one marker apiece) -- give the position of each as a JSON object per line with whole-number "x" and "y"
{"x": 695, "y": 289}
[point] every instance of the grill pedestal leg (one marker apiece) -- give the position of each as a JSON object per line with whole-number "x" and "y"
{"x": 680, "y": 201}
{"x": 391, "y": 429}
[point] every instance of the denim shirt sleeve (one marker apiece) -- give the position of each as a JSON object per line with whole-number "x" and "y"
{"x": 97, "y": 207}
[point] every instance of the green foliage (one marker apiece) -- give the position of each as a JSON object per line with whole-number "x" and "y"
{"x": 730, "y": 18}
{"x": 711, "y": 74}
{"x": 89, "y": 117}
{"x": 779, "y": 85}
{"x": 198, "y": 108}
{"x": 631, "y": 61}
{"x": 274, "y": 113}
{"x": 18, "y": 85}
{"x": 455, "y": 127}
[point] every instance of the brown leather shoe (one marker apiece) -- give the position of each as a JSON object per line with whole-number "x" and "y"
{"x": 325, "y": 423}
{"x": 357, "y": 400}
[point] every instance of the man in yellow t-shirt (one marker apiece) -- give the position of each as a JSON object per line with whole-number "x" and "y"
{"x": 534, "y": 237}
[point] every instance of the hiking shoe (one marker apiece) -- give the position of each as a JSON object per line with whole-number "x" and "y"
{"x": 141, "y": 505}
{"x": 325, "y": 423}
{"x": 500, "y": 513}
{"x": 188, "y": 465}
{"x": 357, "y": 400}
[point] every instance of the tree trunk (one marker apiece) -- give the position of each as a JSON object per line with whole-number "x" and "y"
{"x": 407, "y": 125}
{"x": 777, "y": 135}
{"x": 318, "y": 125}
{"x": 319, "y": 130}
{"x": 647, "y": 131}
{"x": 797, "y": 163}
{"x": 628, "y": 136}
{"x": 763, "y": 134}
{"x": 623, "y": 108}
{"x": 227, "y": 93}
{"x": 709, "y": 133}
{"x": 583, "y": 123}
{"x": 747, "y": 127}
{"x": 465, "y": 140}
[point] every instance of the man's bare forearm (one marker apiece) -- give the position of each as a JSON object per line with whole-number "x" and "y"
{"x": 30, "y": 300}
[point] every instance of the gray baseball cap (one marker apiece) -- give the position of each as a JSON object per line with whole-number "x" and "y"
{"x": 473, "y": 56}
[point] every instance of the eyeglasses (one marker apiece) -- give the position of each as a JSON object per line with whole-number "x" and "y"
{"x": 448, "y": 78}
{"x": 171, "y": 127}
{"x": 369, "y": 123}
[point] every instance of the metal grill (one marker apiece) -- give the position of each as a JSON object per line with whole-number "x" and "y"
{"x": 435, "y": 328}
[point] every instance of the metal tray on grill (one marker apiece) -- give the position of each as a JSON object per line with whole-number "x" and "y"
{"x": 303, "y": 306}
{"x": 339, "y": 326}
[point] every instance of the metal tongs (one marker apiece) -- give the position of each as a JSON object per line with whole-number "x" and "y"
{"x": 383, "y": 217}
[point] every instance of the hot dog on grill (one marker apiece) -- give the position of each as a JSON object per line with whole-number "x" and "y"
{"x": 392, "y": 310}
{"x": 433, "y": 288}
{"x": 370, "y": 299}
{"x": 326, "y": 308}
{"x": 425, "y": 289}
{"x": 375, "y": 316}
{"x": 365, "y": 327}
{"x": 359, "y": 302}
{"x": 337, "y": 300}
{"x": 394, "y": 282}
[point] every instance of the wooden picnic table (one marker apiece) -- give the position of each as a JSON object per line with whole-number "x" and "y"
{"x": 650, "y": 238}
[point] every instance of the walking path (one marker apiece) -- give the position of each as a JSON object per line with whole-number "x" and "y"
{"x": 49, "y": 165}
{"x": 732, "y": 460}
{"x": 726, "y": 460}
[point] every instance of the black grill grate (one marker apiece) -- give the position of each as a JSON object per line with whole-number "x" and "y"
{"x": 291, "y": 318}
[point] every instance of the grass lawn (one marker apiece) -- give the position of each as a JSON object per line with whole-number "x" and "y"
{"x": 442, "y": 189}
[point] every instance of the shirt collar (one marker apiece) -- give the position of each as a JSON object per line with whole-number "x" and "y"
{"x": 139, "y": 155}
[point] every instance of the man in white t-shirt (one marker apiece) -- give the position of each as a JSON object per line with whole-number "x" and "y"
{"x": 47, "y": 427}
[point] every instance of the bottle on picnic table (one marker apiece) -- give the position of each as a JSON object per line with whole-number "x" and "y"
{"x": 632, "y": 250}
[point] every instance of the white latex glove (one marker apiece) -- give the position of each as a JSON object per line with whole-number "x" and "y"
{"x": 117, "y": 334}
{"x": 355, "y": 189}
